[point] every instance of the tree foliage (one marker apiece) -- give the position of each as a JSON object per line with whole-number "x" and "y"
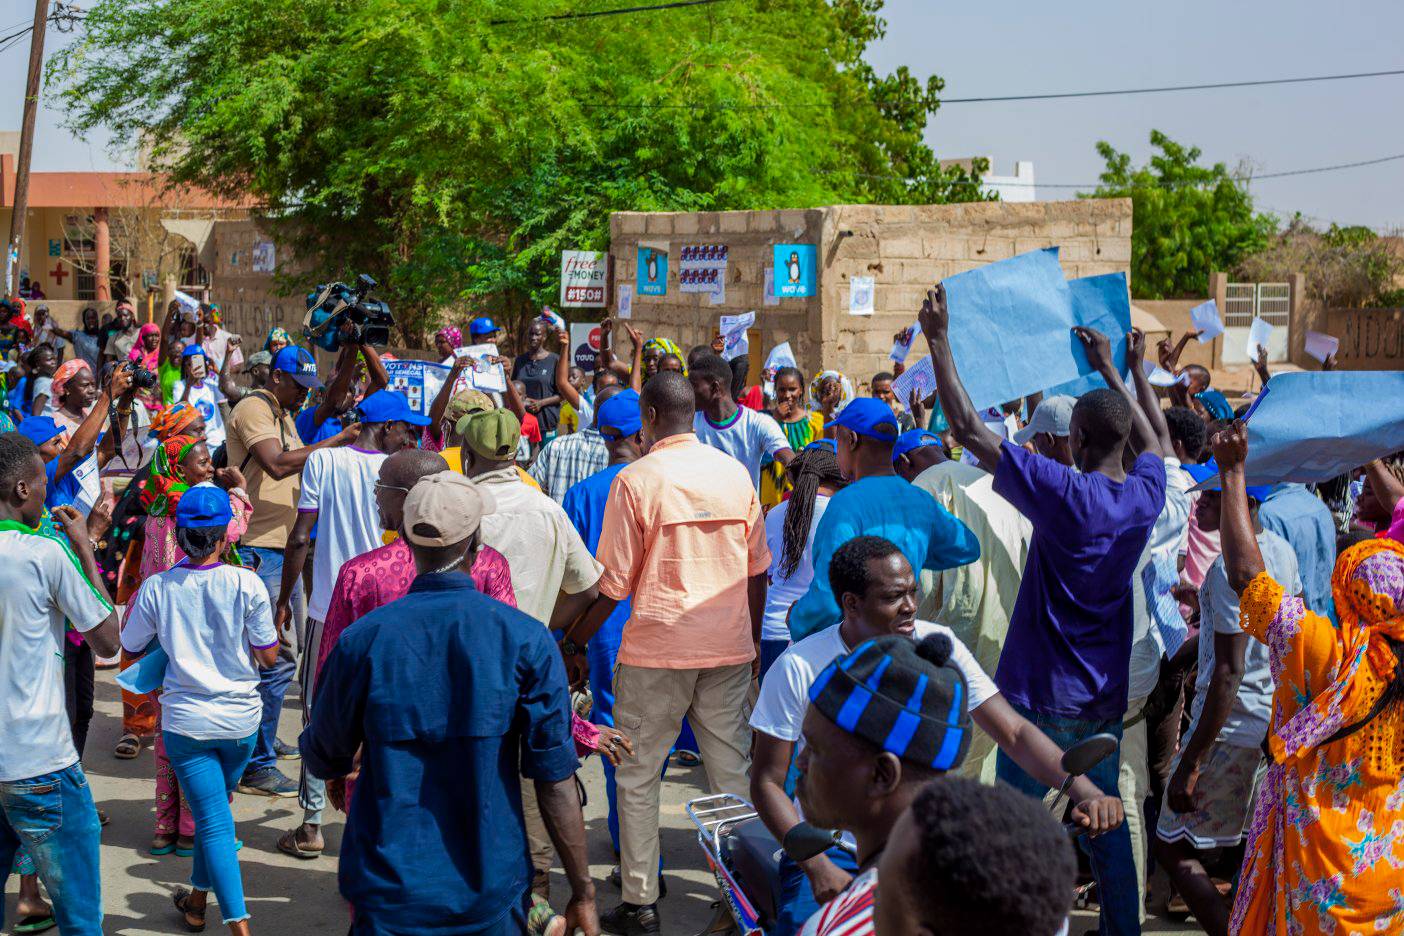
{"x": 1345, "y": 267}
{"x": 454, "y": 147}
{"x": 1189, "y": 219}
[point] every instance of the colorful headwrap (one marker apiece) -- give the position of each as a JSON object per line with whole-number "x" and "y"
{"x": 139, "y": 354}
{"x": 1368, "y": 587}
{"x": 164, "y": 486}
{"x": 66, "y": 372}
{"x": 173, "y": 421}
{"x": 276, "y": 334}
{"x": 216, "y": 316}
{"x": 452, "y": 334}
{"x": 816, "y": 387}
{"x": 666, "y": 346}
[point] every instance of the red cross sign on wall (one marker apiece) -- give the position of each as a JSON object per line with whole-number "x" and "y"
{"x": 58, "y": 273}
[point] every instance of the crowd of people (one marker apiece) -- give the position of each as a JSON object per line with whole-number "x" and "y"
{"x": 885, "y": 617}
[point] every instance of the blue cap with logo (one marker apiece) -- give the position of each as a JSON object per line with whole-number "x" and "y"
{"x": 913, "y": 439}
{"x": 482, "y": 325}
{"x": 39, "y": 429}
{"x": 300, "y": 364}
{"x": 619, "y": 416}
{"x": 194, "y": 351}
{"x": 204, "y": 505}
{"x": 868, "y": 416}
{"x": 1210, "y": 469}
{"x": 384, "y": 406}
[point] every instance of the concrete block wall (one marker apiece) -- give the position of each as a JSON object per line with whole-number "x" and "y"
{"x": 905, "y": 248}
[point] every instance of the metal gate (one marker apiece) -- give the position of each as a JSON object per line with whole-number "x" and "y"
{"x": 1243, "y": 302}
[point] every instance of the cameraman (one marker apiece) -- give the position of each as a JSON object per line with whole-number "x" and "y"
{"x": 341, "y": 396}
{"x": 262, "y": 441}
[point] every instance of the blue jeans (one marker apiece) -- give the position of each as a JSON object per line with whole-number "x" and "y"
{"x": 797, "y": 903}
{"x": 1110, "y": 853}
{"x": 54, "y": 818}
{"x": 770, "y": 652}
{"x": 272, "y": 682}
{"x": 208, "y": 771}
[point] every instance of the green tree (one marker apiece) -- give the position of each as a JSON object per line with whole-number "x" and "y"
{"x": 1189, "y": 219}
{"x": 1345, "y": 267}
{"x": 454, "y": 147}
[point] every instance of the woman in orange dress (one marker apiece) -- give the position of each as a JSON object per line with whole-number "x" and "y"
{"x": 1326, "y": 852}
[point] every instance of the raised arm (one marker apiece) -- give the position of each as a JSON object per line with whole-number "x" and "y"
{"x": 1388, "y": 489}
{"x": 1098, "y": 349}
{"x": 340, "y": 386}
{"x": 1243, "y": 561}
{"x": 445, "y": 394}
{"x": 563, "y": 384}
{"x": 636, "y": 368}
{"x": 163, "y": 351}
{"x": 1145, "y": 393}
{"x": 1169, "y": 362}
{"x": 377, "y": 377}
{"x": 965, "y": 422}
{"x": 231, "y": 390}
{"x": 84, "y": 439}
{"x": 512, "y": 398}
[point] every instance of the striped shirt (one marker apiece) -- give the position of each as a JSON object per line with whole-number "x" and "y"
{"x": 848, "y": 914}
{"x": 568, "y": 459}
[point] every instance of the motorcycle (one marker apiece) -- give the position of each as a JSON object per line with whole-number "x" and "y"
{"x": 745, "y": 857}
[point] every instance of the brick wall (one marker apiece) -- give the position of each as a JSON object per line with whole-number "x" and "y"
{"x": 904, "y": 248}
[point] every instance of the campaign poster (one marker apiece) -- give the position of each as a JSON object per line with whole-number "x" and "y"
{"x": 702, "y": 269}
{"x": 795, "y": 270}
{"x": 419, "y": 381}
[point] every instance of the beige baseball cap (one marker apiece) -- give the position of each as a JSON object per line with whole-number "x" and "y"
{"x": 449, "y": 504}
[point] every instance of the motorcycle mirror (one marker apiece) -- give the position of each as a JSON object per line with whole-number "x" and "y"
{"x": 805, "y": 841}
{"x": 1088, "y": 753}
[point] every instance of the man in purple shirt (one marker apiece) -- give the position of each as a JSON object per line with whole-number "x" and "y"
{"x": 1066, "y": 661}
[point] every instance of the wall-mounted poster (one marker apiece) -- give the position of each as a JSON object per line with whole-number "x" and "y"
{"x": 264, "y": 258}
{"x": 795, "y": 274}
{"x": 584, "y": 274}
{"x": 653, "y": 271}
{"x": 702, "y": 269}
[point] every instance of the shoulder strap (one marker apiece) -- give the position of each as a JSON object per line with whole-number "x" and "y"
{"x": 264, "y": 396}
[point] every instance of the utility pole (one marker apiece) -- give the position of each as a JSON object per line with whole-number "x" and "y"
{"x": 26, "y": 147}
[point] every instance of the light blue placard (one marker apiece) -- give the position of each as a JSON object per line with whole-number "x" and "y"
{"x": 1011, "y": 328}
{"x": 147, "y": 674}
{"x": 653, "y": 272}
{"x": 795, "y": 274}
{"x": 1101, "y": 303}
{"x": 1317, "y": 425}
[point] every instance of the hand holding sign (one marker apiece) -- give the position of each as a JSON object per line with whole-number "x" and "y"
{"x": 1205, "y": 317}
{"x": 902, "y": 342}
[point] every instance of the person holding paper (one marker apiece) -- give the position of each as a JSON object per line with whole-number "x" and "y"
{"x": 1067, "y": 655}
{"x": 882, "y": 389}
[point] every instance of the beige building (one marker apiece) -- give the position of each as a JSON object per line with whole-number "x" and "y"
{"x": 905, "y": 249}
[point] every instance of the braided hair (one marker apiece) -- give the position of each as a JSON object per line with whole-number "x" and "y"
{"x": 810, "y": 468}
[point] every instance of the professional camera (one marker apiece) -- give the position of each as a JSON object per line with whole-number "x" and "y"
{"x": 337, "y": 314}
{"x": 142, "y": 379}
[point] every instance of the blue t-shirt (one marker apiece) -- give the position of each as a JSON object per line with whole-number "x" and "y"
{"x": 312, "y": 431}
{"x": 1299, "y": 517}
{"x": 584, "y": 504}
{"x": 894, "y": 509}
{"x": 1068, "y": 651}
{"x": 454, "y": 700}
{"x": 62, "y": 492}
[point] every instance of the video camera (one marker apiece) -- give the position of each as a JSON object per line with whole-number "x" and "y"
{"x": 336, "y": 313}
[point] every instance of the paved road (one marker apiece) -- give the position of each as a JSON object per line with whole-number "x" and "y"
{"x": 288, "y": 896}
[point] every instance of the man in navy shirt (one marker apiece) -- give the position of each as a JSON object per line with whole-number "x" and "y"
{"x": 450, "y": 697}
{"x": 1066, "y": 660}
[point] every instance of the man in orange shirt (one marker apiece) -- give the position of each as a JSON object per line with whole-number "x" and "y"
{"x": 683, "y": 536}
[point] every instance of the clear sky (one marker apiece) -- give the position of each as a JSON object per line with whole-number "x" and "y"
{"x": 1024, "y": 47}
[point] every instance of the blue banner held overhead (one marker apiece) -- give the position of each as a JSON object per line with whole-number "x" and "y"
{"x": 1101, "y": 303}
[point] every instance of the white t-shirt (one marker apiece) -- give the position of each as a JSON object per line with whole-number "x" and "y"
{"x": 206, "y": 618}
{"x": 1166, "y": 537}
{"x": 784, "y": 592}
{"x": 752, "y": 438}
{"x": 339, "y": 484}
{"x": 205, "y": 396}
{"x": 44, "y": 386}
{"x": 41, "y": 584}
{"x": 1247, "y": 722}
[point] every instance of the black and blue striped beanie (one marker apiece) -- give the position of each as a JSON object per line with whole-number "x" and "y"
{"x": 902, "y": 696}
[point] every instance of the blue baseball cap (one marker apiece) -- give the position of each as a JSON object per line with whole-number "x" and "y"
{"x": 384, "y": 406}
{"x": 619, "y": 416}
{"x": 482, "y": 325}
{"x": 194, "y": 351}
{"x": 1210, "y": 469}
{"x": 40, "y": 429}
{"x": 870, "y": 417}
{"x": 204, "y": 505}
{"x": 913, "y": 439}
{"x": 300, "y": 363}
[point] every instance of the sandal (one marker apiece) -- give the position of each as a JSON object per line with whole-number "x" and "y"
{"x": 686, "y": 758}
{"x": 185, "y": 847}
{"x": 181, "y": 896}
{"x": 128, "y": 747}
{"x": 37, "y": 923}
{"x": 543, "y": 921}
{"x": 162, "y": 845}
{"x": 289, "y": 845}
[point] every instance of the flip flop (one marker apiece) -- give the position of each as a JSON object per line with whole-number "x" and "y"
{"x": 289, "y": 845}
{"x": 36, "y": 923}
{"x": 159, "y": 850}
{"x": 181, "y": 895}
{"x": 128, "y": 747}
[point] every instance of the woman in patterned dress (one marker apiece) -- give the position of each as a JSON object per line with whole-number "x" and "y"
{"x": 1327, "y": 839}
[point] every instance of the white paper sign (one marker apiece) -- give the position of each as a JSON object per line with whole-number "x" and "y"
{"x": 770, "y": 298}
{"x": 625, "y": 300}
{"x": 860, "y": 295}
{"x": 1159, "y": 376}
{"x": 550, "y": 315}
{"x": 89, "y": 487}
{"x": 920, "y": 377}
{"x": 1321, "y": 346}
{"x": 780, "y": 356}
{"x": 717, "y": 293}
{"x": 1205, "y": 318}
{"x": 264, "y": 257}
{"x": 902, "y": 346}
{"x": 583, "y": 277}
{"x": 1258, "y": 334}
{"x": 733, "y": 331}
{"x": 484, "y": 375}
{"x": 187, "y": 302}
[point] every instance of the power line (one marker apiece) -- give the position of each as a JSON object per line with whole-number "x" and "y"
{"x": 618, "y": 11}
{"x": 1167, "y": 88}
